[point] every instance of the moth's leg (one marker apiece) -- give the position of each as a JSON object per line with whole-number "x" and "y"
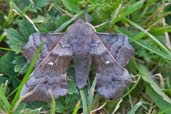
{"x": 118, "y": 45}
{"x": 50, "y": 75}
{"x": 111, "y": 77}
{"x": 34, "y": 41}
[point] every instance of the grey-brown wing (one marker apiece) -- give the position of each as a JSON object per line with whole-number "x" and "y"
{"x": 50, "y": 40}
{"x": 118, "y": 45}
{"x": 50, "y": 74}
{"x": 111, "y": 77}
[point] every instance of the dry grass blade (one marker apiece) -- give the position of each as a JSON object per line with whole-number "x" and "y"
{"x": 99, "y": 108}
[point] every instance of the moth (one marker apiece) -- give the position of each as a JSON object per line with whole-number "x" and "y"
{"x": 108, "y": 52}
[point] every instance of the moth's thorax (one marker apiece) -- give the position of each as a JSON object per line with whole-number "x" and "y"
{"x": 80, "y": 35}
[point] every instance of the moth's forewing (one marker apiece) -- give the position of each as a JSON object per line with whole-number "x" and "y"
{"x": 50, "y": 74}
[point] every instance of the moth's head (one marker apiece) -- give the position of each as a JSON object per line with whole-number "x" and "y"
{"x": 80, "y": 26}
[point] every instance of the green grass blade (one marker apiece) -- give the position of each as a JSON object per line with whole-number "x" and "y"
{"x": 84, "y": 101}
{"x": 160, "y": 30}
{"x": 91, "y": 94}
{"x": 77, "y": 106}
{"x": 4, "y": 99}
{"x": 150, "y": 36}
{"x": 53, "y": 104}
{"x": 147, "y": 78}
{"x": 138, "y": 36}
{"x": 6, "y": 49}
{"x": 135, "y": 108}
{"x": 152, "y": 49}
{"x": 126, "y": 11}
{"x": 154, "y": 91}
{"x": 2, "y": 37}
{"x": 140, "y": 43}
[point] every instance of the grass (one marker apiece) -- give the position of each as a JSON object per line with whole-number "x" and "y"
{"x": 145, "y": 22}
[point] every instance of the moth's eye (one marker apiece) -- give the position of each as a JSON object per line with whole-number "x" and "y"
{"x": 45, "y": 82}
